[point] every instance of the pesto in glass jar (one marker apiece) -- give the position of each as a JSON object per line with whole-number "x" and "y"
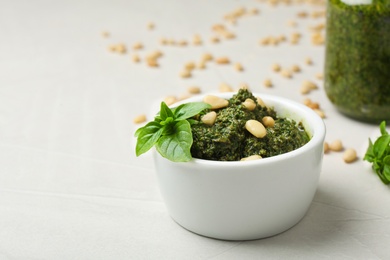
{"x": 357, "y": 61}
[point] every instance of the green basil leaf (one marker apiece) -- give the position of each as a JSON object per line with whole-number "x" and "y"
{"x": 165, "y": 111}
{"x": 386, "y": 167}
{"x": 381, "y": 145}
{"x": 147, "y": 137}
{"x": 188, "y": 110}
{"x": 382, "y": 127}
{"x": 177, "y": 146}
{"x": 369, "y": 156}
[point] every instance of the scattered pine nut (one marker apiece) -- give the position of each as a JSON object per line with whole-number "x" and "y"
{"x": 207, "y": 57}
{"x": 138, "y": 46}
{"x": 238, "y": 67}
{"x": 197, "y": 40}
{"x": 214, "y": 39}
{"x": 222, "y": 60}
{"x": 201, "y": 65}
{"x": 251, "y": 158}
{"x": 136, "y": 58}
{"x": 183, "y": 96}
{"x": 319, "y": 112}
{"x": 308, "y": 61}
{"x": 292, "y": 23}
{"x": 302, "y": 14}
{"x": 120, "y": 48}
{"x": 276, "y": 67}
{"x": 243, "y": 86}
{"x": 183, "y": 43}
{"x": 254, "y": 11}
{"x": 336, "y": 145}
{"x": 189, "y": 66}
{"x": 105, "y": 34}
{"x": 349, "y": 155}
{"x": 286, "y": 73}
{"x": 169, "y": 100}
{"x": 260, "y": 102}
{"x": 163, "y": 41}
{"x": 295, "y": 68}
{"x": 194, "y": 90}
{"x": 223, "y": 87}
{"x": 150, "y": 26}
{"x": 267, "y": 83}
{"x": 185, "y": 74}
{"x": 320, "y": 76}
{"x": 326, "y": 147}
{"x": 139, "y": 119}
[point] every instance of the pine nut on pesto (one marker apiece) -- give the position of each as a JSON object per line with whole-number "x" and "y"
{"x": 357, "y": 63}
{"x": 227, "y": 139}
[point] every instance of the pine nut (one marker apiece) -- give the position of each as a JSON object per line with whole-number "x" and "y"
{"x": 136, "y": 58}
{"x": 319, "y": 112}
{"x": 238, "y": 67}
{"x": 276, "y": 67}
{"x": 223, "y": 87}
{"x": 267, "y": 83}
{"x": 336, "y": 145}
{"x": 268, "y": 121}
{"x": 326, "y": 147}
{"x": 194, "y": 90}
{"x": 308, "y": 61}
{"x": 189, "y": 65}
{"x": 185, "y": 74}
{"x": 209, "y": 118}
{"x": 260, "y": 101}
{"x": 207, "y": 57}
{"x": 139, "y": 119}
{"x": 215, "y": 102}
{"x": 255, "y": 128}
{"x": 286, "y": 73}
{"x": 320, "y": 76}
{"x": 138, "y": 46}
{"x": 249, "y": 104}
{"x": 150, "y": 26}
{"x": 201, "y": 65}
{"x": 169, "y": 100}
{"x": 222, "y": 60}
{"x": 251, "y": 158}
{"x": 295, "y": 68}
{"x": 349, "y": 155}
{"x": 105, "y": 34}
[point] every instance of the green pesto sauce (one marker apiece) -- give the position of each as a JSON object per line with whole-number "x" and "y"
{"x": 228, "y": 140}
{"x": 357, "y": 64}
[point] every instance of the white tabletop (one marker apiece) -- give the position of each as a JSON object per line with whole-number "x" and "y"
{"x": 70, "y": 184}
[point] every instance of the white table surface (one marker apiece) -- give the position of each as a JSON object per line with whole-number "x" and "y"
{"x": 70, "y": 184}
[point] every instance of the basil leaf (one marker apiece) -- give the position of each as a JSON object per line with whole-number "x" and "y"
{"x": 147, "y": 136}
{"x": 165, "y": 111}
{"x": 177, "y": 146}
{"x": 369, "y": 156}
{"x": 381, "y": 145}
{"x": 382, "y": 127}
{"x": 386, "y": 167}
{"x": 188, "y": 110}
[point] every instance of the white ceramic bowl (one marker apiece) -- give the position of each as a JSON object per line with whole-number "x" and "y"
{"x": 251, "y": 199}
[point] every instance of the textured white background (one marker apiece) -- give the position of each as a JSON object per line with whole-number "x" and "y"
{"x": 70, "y": 184}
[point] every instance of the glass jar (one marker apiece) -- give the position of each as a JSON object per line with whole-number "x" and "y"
{"x": 357, "y": 59}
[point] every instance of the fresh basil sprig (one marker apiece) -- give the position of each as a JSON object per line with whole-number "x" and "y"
{"x": 170, "y": 132}
{"x": 378, "y": 154}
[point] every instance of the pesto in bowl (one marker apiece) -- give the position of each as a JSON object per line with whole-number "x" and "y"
{"x": 228, "y": 139}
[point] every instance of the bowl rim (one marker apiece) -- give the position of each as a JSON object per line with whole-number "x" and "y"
{"x": 312, "y": 119}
